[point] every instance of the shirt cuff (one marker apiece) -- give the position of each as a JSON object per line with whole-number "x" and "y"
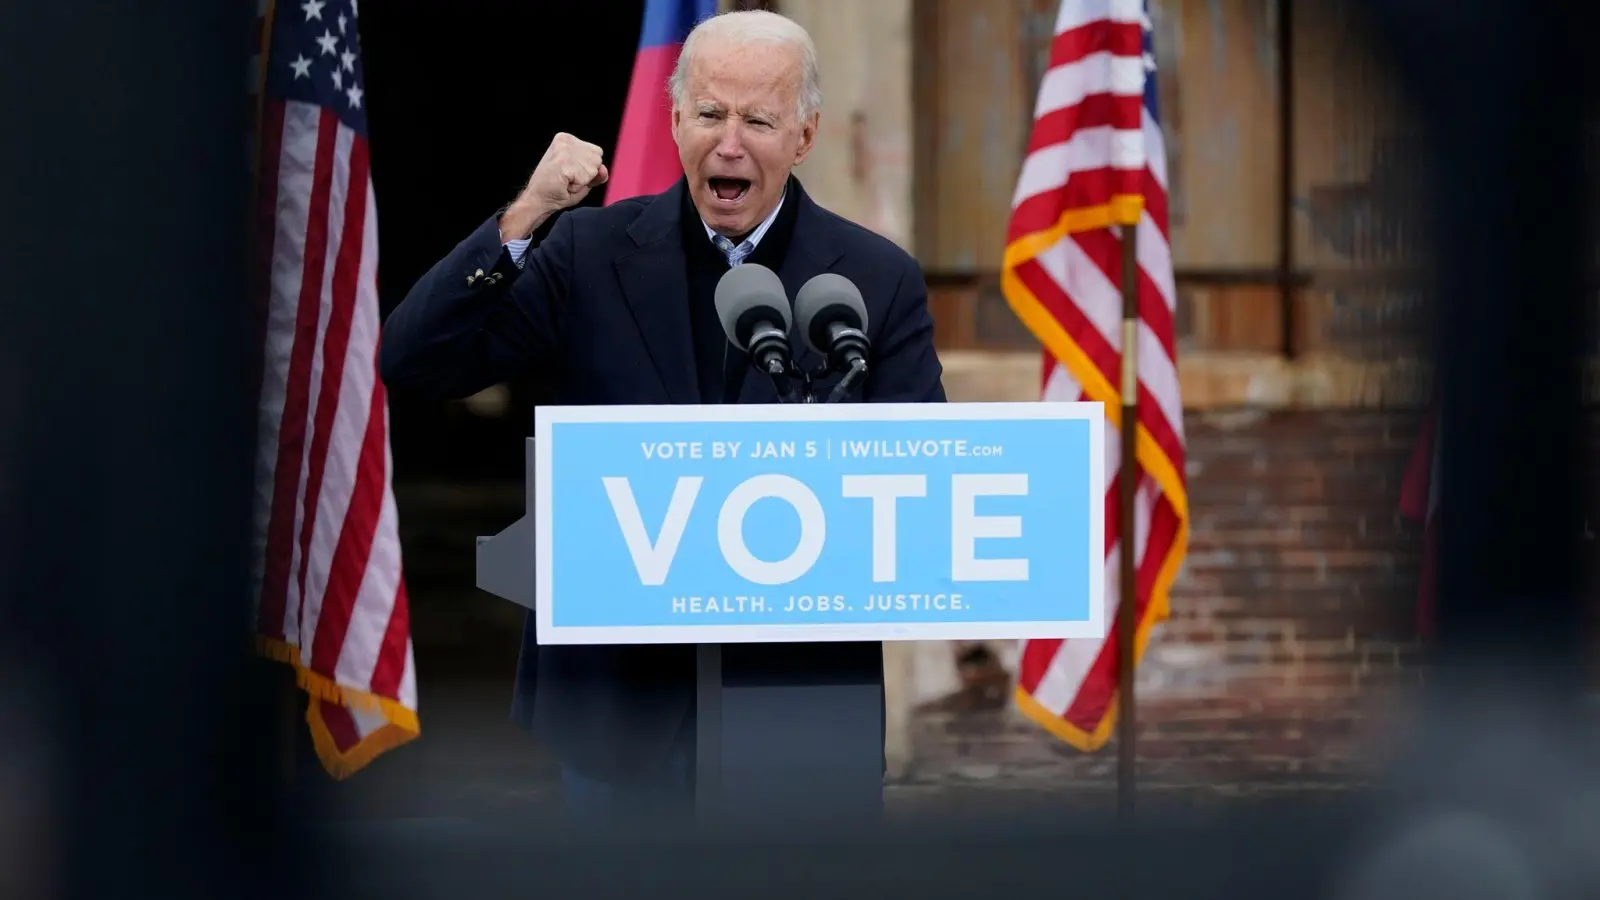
{"x": 518, "y": 248}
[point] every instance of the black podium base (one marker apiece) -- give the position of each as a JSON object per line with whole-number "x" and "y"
{"x": 790, "y": 733}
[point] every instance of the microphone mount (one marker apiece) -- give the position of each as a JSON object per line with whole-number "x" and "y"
{"x": 858, "y": 370}
{"x": 783, "y": 379}
{"x": 756, "y": 316}
{"x": 854, "y": 371}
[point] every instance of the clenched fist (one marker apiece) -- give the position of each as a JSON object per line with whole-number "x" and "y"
{"x": 569, "y": 170}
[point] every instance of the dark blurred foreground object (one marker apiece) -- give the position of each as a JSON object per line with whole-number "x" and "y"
{"x": 119, "y": 590}
{"x": 1499, "y": 792}
{"x": 1513, "y": 238}
{"x": 129, "y": 447}
{"x": 1353, "y": 848}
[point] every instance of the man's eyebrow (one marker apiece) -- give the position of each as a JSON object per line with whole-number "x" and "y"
{"x": 715, "y": 107}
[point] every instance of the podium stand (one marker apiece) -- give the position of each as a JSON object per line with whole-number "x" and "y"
{"x": 771, "y": 741}
{"x": 981, "y": 521}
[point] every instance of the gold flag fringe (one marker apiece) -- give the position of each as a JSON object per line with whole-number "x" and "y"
{"x": 402, "y": 723}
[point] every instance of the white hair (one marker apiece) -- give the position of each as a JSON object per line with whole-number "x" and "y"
{"x": 751, "y": 26}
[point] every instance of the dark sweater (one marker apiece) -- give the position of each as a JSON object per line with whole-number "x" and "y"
{"x": 721, "y": 367}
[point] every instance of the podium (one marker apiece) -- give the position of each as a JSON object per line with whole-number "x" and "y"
{"x": 764, "y": 535}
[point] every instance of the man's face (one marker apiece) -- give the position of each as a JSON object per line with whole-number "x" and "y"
{"x": 737, "y": 131}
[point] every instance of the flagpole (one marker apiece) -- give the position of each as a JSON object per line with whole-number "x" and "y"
{"x": 1128, "y": 483}
{"x": 267, "y": 15}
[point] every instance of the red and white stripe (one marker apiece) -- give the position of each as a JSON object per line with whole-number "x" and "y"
{"x": 1096, "y": 158}
{"x": 330, "y": 596}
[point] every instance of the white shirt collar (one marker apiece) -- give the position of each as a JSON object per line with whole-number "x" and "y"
{"x": 761, "y": 230}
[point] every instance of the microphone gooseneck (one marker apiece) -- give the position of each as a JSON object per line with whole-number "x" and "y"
{"x": 858, "y": 368}
{"x": 781, "y": 381}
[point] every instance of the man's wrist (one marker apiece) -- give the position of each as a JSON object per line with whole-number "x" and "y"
{"x": 521, "y": 220}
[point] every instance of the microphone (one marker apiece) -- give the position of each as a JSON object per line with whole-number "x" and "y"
{"x": 754, "y": 311}
{"x": 833, "y": 320}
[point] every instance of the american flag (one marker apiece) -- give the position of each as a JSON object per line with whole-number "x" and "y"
{"x": 1096, "y": 160}
{"x": 331, "y": 599}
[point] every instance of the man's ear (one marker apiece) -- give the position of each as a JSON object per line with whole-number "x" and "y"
{"x": 808, "y": 136}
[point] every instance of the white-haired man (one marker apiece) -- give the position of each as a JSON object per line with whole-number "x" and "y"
{"x": 614, "y": 305}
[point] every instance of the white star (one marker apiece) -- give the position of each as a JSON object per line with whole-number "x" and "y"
{"x": 349, "y": 60}
{"x": 329, "y": 43}
{"x": 338, "y": 80}
{"x": 301, "y": 67}
{"x": 342, "y": 22}
{"x": 354, "y": 93}
{"x": 353, "y": 10}
{"x": 313, "y": 8}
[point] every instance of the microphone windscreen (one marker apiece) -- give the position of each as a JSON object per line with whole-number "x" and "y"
{"x": 828, "y": 299}
{"x": 747, "y": 293}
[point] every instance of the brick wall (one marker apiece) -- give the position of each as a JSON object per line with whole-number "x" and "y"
{"x": 1292, "y": 621}
{"x": 1292, "y": 641}
{"x": 1295, "y": 610}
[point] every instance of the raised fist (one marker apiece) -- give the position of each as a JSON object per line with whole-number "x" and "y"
{"x": 569, "y": 170}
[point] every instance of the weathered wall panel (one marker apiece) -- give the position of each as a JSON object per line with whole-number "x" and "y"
{"x": 1360, "y": 176}
{"x": 1218, "y": 65}
{"x": 971, "y": 314}
{"x": 861, "y": 165}
{"x": 977, "y": 65}
{"x": 1358, "y": 168}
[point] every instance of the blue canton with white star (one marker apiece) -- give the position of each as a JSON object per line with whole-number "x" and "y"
{"x": 315, "y": 57}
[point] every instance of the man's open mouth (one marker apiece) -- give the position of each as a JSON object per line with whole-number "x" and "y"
{"x": 730, "y": 190}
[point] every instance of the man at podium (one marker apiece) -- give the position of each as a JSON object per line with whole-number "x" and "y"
{"x": 614, "y": 305}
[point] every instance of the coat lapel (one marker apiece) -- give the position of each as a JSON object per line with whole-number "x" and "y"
{"x": 655, "y": 281}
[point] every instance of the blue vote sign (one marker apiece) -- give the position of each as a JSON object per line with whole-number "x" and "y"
{"x": 819, "y": 522}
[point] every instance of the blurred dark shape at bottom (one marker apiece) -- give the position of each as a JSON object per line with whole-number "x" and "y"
{"x": 29, "y": 830}
{"x": 1508, "y": 815}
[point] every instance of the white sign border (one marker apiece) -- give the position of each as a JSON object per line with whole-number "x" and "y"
{"x": 1095, "y": 627}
